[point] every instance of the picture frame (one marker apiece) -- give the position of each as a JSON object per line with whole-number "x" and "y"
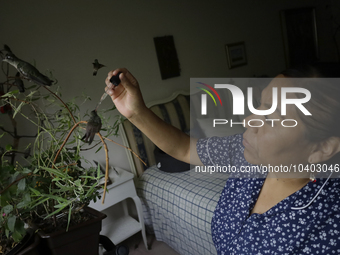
{"x": 167, "y": 57}
{"x": 236, "y": 54}
{"x": 300, "y": 37}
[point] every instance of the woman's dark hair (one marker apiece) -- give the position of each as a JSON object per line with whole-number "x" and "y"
{"x": 325, "y": 99}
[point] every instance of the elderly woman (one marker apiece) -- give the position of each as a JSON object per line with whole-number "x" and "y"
{"x": 275, "y": 214}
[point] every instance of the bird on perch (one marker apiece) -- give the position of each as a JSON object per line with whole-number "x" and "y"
{"x": 27, "y": 70}
{"x": 93, "y": 126}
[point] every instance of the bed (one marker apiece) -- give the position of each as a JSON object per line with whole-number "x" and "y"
{"x": 177, "y": 207}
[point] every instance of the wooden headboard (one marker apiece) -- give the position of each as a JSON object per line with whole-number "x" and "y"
{"x": 174, "y": 110}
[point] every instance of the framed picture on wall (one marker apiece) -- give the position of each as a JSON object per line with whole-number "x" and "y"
{"x": 236, "y": 54}
{"x": 167, "y": 56}
{"x": 299, "y": 36}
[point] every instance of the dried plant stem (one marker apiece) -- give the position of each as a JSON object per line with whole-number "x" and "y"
{"x": 106, "y": 154}
{"x": 72, "y": 164}
{"x": 68, "y": 109}
{"x": 134, "y": 153}
{"x": 107, "y": 166}
{"x": 54, "y": 161}
{"x": 81, "y": 207}
{"x": 16, "y": 99}
{"x": 66, "y": 139}
{"x": 16, "y": 139}
{"x": 86, "y": 122}
{"x": 126, "y": 148}
{"x": 17, "y": 180}
{"x": 90, "y": 147}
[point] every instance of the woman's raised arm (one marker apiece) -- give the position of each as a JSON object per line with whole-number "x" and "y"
{"x": 128, "y": 99}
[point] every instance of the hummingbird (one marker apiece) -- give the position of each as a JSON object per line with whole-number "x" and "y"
{"x": 19, "y": 83}
{"x": 96, "y": 67}
{"x": 93, "y": 126}
{"x": 27, "y": 70}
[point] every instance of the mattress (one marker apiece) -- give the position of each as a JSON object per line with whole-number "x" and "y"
{"x": 178, "y": 207}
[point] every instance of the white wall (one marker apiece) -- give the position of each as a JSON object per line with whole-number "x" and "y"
{"x": 67, "y": 36}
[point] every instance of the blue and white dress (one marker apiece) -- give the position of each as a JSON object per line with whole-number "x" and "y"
{"x": 293, "y": 226}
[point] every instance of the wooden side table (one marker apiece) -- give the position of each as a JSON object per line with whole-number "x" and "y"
{"x": 121, "y": 228}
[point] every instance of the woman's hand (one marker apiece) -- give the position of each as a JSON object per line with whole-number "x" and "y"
{"x": 127, "y": 96}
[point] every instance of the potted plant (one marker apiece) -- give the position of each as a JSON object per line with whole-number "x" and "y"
{"x": 49, "y": 189}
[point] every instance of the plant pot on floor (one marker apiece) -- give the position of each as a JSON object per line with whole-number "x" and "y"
{"x": 32, "y": 249}
{"x": 28, "y": 245}
{"x": 78, "y": 240}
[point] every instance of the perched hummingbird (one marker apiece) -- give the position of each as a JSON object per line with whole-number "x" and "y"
{"x": 19, "y": 83}
{"x": 93, "y": 126}
{"x": 96, "y": 67}
{"x": 26, "y": 69}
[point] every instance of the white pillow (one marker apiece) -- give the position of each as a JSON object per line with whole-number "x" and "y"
{"x": 220, "y": 130}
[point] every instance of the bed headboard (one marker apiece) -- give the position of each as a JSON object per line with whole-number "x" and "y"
{"x": 174, "y": 110}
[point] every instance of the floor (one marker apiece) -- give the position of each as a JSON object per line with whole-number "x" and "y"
{"x": 136, "y": 246}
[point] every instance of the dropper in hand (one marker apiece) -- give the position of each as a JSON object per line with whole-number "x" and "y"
{"x": 115, "y": 81}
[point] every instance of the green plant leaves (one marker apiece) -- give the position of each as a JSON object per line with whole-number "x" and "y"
{"x": 63, "y": 205}
{"x": 91, "y": 190}
{"x": 26, "y": 201}
{"x": 69, "y": 218}
{"x": 19, "y": 231}
{"x": 36, "y": 192}
{"x": 11, "y": 222}
{"x": 56, "y": 172}
{"x": 18, "y": 109}
{"x": 47, "y": 186}
{"x": 21, "y": 205}
{"x": 7, "y": 209}
{"x": 8, "y": 147}
{"x": 59, "y": 199}
{"x": 35, "y": 203}
{"x": 59, "y": 210}
{"x": 22, "y": 185}
{"x": 10, "y": 93}
{"x": 99, "y": 149}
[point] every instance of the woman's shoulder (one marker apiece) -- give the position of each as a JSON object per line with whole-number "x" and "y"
{"x": 323, "y": 198}
{"x": 220, "y": 150}
{"x": 333, "y": 193}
